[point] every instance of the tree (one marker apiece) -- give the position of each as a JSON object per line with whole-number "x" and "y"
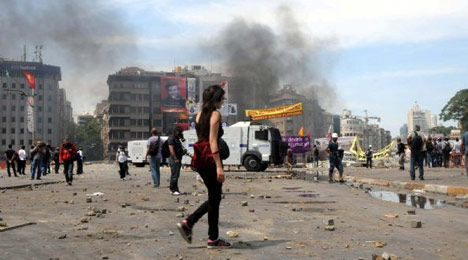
{"x": 442, "y": 130}
{"x": 457, "y": 109}
{"x": 88, "y": 137}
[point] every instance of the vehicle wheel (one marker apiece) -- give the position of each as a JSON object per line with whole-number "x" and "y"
{"x": 264, "y": 167}
{"x": 252, "y": 163}
{"x": 140, "y": 164}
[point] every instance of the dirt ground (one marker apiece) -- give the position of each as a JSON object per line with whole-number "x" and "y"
{"x": 284, "y": 219}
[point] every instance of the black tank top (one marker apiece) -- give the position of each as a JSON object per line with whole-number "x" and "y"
{"x": 220, "y": 131}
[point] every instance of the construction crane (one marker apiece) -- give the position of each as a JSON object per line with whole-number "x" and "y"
{"x": 367, "y": 117}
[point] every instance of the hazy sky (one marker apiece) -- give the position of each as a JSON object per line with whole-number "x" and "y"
{"x": 382, "y": 56}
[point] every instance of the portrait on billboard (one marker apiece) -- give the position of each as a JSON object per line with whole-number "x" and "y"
{"x": 173, "y": 92}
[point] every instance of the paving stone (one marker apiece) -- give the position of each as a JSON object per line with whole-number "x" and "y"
{"x": 416, "y": 224}
{"x": 244, "y": 203}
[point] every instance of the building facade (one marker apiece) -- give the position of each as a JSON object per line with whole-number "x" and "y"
{"x": 423, "y": 118}
{"x": 51, "y": 110}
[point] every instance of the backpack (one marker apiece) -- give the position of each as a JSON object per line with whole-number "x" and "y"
{"x": 165, "y": 150}
{"x": 416, "y": 143}
{"x": 447, "y": 148}
{"x": 202, "y": 157}
{"x": 429, "y": 146}
{"x": 154, "y": 147}
{"x": 68, "y": 155}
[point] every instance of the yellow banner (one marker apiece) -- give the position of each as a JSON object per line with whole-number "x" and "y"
{"x": 361, "y": 155}
{"x": 274, "y": 112}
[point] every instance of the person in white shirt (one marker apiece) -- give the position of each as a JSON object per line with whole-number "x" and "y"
{"x": 121, "y": 158}
{"x": 79, "y": 161}
{"x": 22, "y": 160}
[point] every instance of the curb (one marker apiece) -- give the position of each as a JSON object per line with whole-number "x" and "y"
{"x": 29, "y": 185}
{"x": 440, "y": 189}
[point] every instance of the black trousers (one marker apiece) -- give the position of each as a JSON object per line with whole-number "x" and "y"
{"x": 21, "y": 167}
{"x": 369, "y": 163}
{"x": 57, "y": 166}
{"x": 12, "y": 165}
{"x": 211, "y": 206}
{"x": 446, "y": 160}
{"x": 123, "y": 169}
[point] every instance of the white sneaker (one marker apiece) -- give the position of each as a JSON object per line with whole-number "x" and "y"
{"x": 175, "y": 193}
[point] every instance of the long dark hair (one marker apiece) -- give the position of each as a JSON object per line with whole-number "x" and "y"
{"x": 211, "y": 96}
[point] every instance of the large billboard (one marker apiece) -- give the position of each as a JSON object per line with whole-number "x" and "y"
{"x": 173, "y": 94}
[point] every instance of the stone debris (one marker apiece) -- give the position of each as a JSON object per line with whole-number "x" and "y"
{"x": 181, "y": 209}
{"x": 416, "y": 224}
{"x": 391, "y": 215}
{"x": 62, "y": 236}
{"x": 379, "y": 244}
{"x": 232, "y": 234}
{"x": 145, "y": 199}
{"x": 411, "y": 212}
{"x": 330, "y": 222}
{"x": 84, "y": 220}
{"x": 329, "y": 228}
{"x": 180, "y": 215}
{"x": 176, "y": 200}
{"x": 91, "y": 214}
{"x": 3, "y": 224}
{"x": 186, "y": 201}
{"x": 265, "y": 238}
{"x": 251, "y": 210}
{"x": 252, "y": 196}
{"x": 288, "y": 247}
{"x": 268, "y": 197}
{"x": 171, "y": 233}
{"x": 105, "y": 257}
{"x": 244, "y": 203}
{"x": 89, "y": 200}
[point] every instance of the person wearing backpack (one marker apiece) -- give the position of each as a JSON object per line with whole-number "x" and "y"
{"x": 153, "y": 150}
{"x": 401, "y": 153}
{"x": 175, "y": 159}
{"x": 446, "y": 150}
{"x": 209, "y": 130}
{"x": 417, "y": 146}
{"x": 369, "y": 156}
{"x": 67, "y": 156}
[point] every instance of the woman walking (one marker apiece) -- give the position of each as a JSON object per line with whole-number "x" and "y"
{"x": 208, "y": 127}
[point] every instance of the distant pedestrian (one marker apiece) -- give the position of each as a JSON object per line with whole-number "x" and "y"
{"x": 429, "y": 152}
{"x": 67, "y": 157}
{"x": 22, "y": 156}
{"x": 335, "y": 161}
{"x": 56, "y": 160}
{"x": 369, "y": 156}
{"x": 208, "y": 128}
{"x": 439, "y": 152}
{"x": 121, "y": 158}
{"x": 401, "y": 152}
{"x": 175, "y": 160}
{"x": 315, "y": 155}
{"x": 417, "y": 146}
{"x": 79, "y": 161}
{"x": 47, "y": 158}
{"x": 446, "y": 150}
{"x": 10, "y": 156}
{"x": 456, "y": 153}
{"x": 153, "y": 150}
{"x": 38, "y": 155}
{"x": 464, "y": 150}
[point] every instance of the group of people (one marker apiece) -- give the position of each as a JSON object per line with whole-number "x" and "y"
{"x": 40, "y": 156}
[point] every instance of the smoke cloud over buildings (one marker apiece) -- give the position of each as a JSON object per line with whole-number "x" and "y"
{"x": 78, "y": 36}
{"x": 262, "y": 59}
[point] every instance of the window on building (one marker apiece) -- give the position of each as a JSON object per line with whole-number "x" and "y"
{"x": 49, "y": 131}
{"x": 146, "y": 122}
{"x": 3, "y": 142}
{"x": 4, "y": 119}
{"x": 13, "y": 119}
{"x": 21, "y": 130}
{"x": 4, "y": 108}
{"x": 39, "y": 120}
{"x": 13, "y": 142}
{"x": 49, "y": 120}
{"x": 157, "y": 122}
{"x": 40, "y": 86}
{"x": 13, "y": 85}
{"x": 4, "y": 96}
{"x": 22, "y": 119}
{"x": 133, "y": 134}
{"x": 21, "y": 142}
{"x": 30, "y": 142}
{"x": 13, "y": 108}
{"x": 40, "y": 97}
{"x": 3, "y": 130}
{"x": 157, "y": 110}
{"x": 13, "y": 96}
{"x": 49, "y": 109}
{"x": 39, "y": 131}
{"x": 21, "y": 108}
{"x": 22, "y": 86}
{"x": 4, "y": 85}
{"x": 13, "y": 131}
{"x": 39, "y": 109}
{"x": 21, "y": 97}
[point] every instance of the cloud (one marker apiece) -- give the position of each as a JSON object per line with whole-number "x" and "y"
{"x": 411, "y": 73}
{"x": 354, "y": 23}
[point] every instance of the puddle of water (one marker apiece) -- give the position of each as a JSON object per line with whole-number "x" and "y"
{"x": 417, "y": 201}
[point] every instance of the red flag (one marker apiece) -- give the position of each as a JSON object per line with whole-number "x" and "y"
{"x": 31, "y": 80}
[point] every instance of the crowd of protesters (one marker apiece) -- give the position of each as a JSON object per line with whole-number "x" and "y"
{"x": 41, "y": 156}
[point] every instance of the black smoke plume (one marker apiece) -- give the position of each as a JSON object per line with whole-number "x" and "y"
{"x": 83, "y": 37}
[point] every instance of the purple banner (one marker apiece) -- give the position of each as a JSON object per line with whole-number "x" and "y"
{"x": 298, "y": 144}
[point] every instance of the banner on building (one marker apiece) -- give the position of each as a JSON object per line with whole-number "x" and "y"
{"x": 194, "y": 108}
{"x": 191, "y": 89}
{"x": 30, "y": 119}
{"x": 173, "y": 94}
{"x": 298, "y": 144}
{"x": 275, "y": 112}
{"x": 232, "y": 109}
